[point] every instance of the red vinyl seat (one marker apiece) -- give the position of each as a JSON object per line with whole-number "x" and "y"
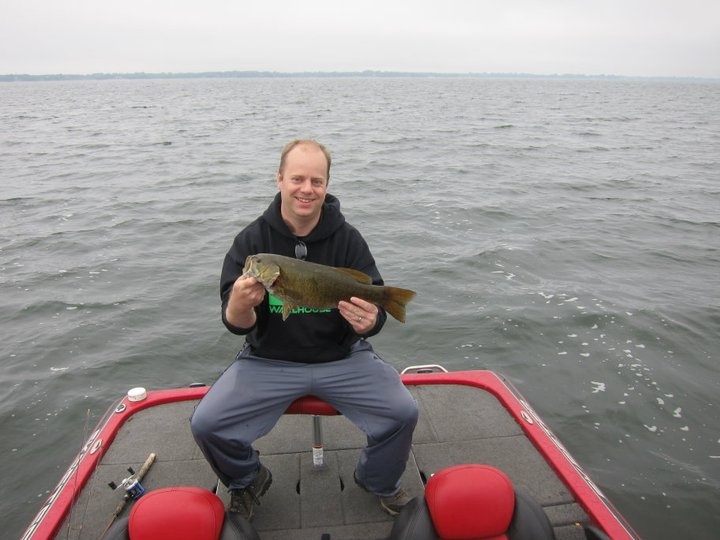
{"x": 181, "y": 513}
{"x": 472, "y": 502}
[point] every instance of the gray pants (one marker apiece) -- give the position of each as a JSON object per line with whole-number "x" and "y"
{"x": 250, "y": 396}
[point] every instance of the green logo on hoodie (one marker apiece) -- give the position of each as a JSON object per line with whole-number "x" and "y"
{"x": 276, "y": 306}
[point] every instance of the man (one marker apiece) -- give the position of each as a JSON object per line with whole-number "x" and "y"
{"x": 310, "y": 353}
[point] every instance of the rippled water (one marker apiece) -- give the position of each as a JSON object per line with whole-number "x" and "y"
{"x": 564, "y": 233}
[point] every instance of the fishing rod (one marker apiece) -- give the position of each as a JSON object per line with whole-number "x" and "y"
{"x": 133, "y": 488}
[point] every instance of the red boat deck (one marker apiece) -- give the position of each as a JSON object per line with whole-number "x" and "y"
{"x": 465, "y": 417}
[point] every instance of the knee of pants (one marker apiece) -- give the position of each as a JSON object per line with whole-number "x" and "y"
{"x": 413, "y": 411}
{"x": 402, "y": 424}
{"x": 202, "y": 425}
{"x": 407, "y": 414}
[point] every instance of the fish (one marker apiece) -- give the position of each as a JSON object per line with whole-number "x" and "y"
{"x": 317, "y": 286}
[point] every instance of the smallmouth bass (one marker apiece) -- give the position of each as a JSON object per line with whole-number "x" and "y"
{"x": 304, "y": 284}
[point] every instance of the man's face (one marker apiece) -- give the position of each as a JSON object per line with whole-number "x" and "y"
{"x": 303, "y": 183}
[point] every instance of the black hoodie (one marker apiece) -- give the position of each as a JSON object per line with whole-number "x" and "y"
{"x": 305, "y": 336}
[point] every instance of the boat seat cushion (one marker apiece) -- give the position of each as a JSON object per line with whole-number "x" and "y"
{"x": 475, "y": 502}
{"x": 470, "y": 501}
{"x": 181, "y": 513}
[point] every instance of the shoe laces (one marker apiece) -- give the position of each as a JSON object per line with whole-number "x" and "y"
{"x": 245, "y": 496}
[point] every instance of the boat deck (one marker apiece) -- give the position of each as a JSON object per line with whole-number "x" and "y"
{"x": 458, "y": 424}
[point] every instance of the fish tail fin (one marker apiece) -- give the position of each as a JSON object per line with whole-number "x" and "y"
{"x": 395, "y": 301}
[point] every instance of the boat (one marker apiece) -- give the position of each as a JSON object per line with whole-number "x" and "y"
{"x": 471, "y": 422}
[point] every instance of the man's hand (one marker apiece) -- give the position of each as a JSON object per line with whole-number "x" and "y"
{"x": 361, "y": 315}
{"x": 247, "y": 292}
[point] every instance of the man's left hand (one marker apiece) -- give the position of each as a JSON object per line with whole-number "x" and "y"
{"x": 361, "y": 315}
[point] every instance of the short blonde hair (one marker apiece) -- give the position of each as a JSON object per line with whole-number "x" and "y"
{"x": 297, "y": 142}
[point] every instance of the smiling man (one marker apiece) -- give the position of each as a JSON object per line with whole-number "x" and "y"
{"x": 313, "y": 352}
{"x": 303, "y": 181}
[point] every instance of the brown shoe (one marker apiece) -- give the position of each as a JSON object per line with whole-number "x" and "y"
{"x": 394, "y": 503}
{"x": 243, "y": 501}
{"x": 391, "y": 504}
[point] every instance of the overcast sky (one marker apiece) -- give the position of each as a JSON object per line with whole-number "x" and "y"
{"x": 619, "y": 37}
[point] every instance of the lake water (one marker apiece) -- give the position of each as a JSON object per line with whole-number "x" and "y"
{"x": 563, "y": 233}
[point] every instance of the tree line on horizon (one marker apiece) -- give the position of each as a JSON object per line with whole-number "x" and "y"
{"x": 308, "y": 74}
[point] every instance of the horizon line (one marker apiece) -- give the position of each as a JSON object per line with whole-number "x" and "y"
{"x": 328, "y": 74}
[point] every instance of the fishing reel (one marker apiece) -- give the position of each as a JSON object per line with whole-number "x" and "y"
{"x": 132, "y": 486}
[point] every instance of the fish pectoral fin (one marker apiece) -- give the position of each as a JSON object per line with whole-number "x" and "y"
{"x": 287, "y": 309}
{"x": 356, "y": 275}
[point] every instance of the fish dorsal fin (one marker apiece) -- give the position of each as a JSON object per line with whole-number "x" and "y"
{"x": 356, "y": 274}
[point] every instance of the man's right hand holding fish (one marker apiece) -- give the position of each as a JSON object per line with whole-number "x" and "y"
{"x": 247, "y": 292}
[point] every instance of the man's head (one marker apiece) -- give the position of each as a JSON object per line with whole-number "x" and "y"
{"x": 308, "y": 142}
{"x": 302, "y": 179}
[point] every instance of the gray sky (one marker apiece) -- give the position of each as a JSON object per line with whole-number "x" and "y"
{"x": 619, "y": 37}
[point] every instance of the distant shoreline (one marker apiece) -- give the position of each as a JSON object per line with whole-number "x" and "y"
{"x": 328, "y": 75}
